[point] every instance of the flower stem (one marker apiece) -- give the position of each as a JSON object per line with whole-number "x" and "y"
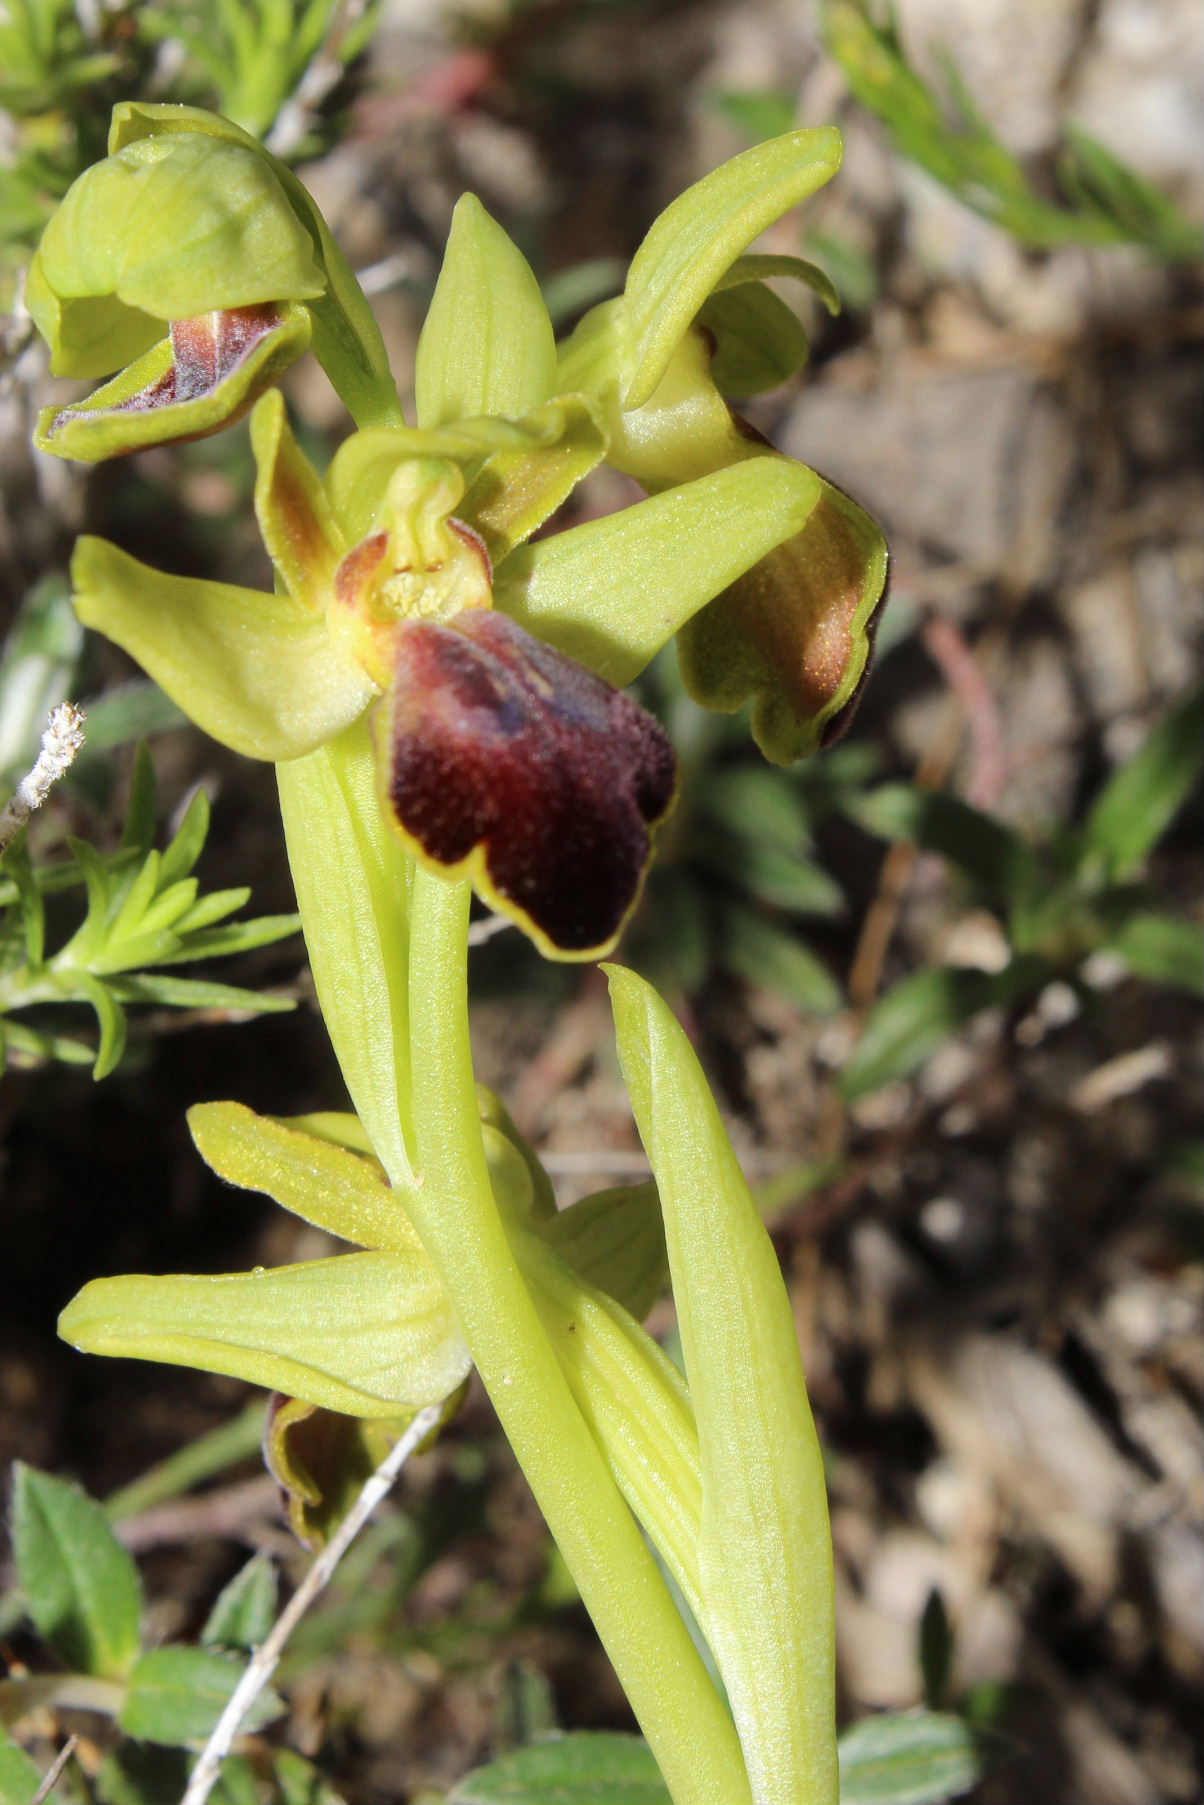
{"x": 352, "y": 922}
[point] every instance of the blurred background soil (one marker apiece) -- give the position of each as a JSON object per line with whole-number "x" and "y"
{"x": 999, "y": 1292}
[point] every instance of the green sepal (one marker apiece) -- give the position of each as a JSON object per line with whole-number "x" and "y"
{"x": 795, "y": 633}
{"x": 764, "y": 1548}
{"x": 487, "y": 345}
{"x": 346, "y": 337}
{"x": 611, "y": 592}
{"x": 325, "y": 1184}
{"x": 110, "y": 422}
{"x": 365, "y": 1333}
{"x": 259, "y": 672}
{"x": 760, "y": 266}
{"x": 700, "y": 235}
{"x": 759, "y": 343}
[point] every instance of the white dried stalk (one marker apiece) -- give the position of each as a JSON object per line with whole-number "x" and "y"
{"x": 264, "y": 1661}
{"x": 60, "y": 743}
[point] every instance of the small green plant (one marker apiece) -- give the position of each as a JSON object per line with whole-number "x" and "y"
{"x": 143, "y": 912}
{"x": 1061, "y": 899}
{"x": 1105, "y": 202}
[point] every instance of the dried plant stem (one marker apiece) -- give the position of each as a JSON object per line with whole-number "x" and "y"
{"x": 264, "y": 1661}
{"x": 61, "y": 741}
{"x": 50, "y": 1777}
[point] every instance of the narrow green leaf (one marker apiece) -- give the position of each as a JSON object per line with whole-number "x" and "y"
{"x": 214, "y": 907}
{"x": 589, "y": 1767}
{"x": 1140, "y": 801}
{"x": 757, "y": 805}
{"x": 761, "y": 266}
{"x": 82, "y": 1587}
{"x": 774, "y": 874}
{"x": 911, "y": 1021}
{"x": 170, "y": 906}
{"x": 245, "y": 1609}
{"x": 301, "y": 1783}
{"x": 362, "y": 1333}
{"x": 985, "y": 849}
{"x": 176, "y": 1695}
{"x": 187, "y": 842}
{"x": 610, "y": 593}
{"x": 136, "y": 901}
{"x": 487, "y": 346}
{"x": 110, "y": 1017}
{"x": 239, "y": 937}
{"x": 700, "y": 235}
{"x": 1163, "y": 949}
{"x": 18, "y": 868}
{"x": 775, "y": 958}
{"x": 141, "y": 812}
{"x": 908, "y": 1758}
{"x": 196, "y": 993}
{"x": 764, "y": 1548}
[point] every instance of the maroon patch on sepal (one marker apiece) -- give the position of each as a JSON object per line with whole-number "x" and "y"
{"x": 497, "y": 741}
{"x": 206, "y": 350}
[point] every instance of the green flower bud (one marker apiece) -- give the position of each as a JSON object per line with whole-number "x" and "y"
{"x": 169, "y": 228}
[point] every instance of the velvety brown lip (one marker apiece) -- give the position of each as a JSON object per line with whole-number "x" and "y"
{"x": 504, "y": 752}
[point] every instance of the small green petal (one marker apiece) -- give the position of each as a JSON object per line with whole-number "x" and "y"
{"x": 700, "y": 235}
{"x": 200, "y": 379}
{"x": 295, "y": 517}
{"x": 759, "y": 343}
{"x": 259, "y": 672}
{"x": 520, "y": 486}
{"x": 363, "y": 1333}
{"x": 795, "y": 633}
{"x": 334, "y": 1189}
{"x": 610, "y": 593}
{"x": 487, "y": 346}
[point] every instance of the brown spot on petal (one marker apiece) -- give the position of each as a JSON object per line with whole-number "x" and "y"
{"x": 206, "y": 350}
{"x": 506, "y": 758}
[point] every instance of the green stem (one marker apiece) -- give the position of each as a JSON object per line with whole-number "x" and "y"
{"x": 405, "y": 1053}
{"x": 687, "y": 1726}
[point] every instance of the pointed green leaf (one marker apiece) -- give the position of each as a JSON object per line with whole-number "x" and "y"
{"x": 177, "y": 1695}
{"x": 257, "y": 671}
{"x": 764, "y": 1549}
{"x": 795, "y": 634}
{"x": 611, "y": 592}
{"x": 142, "y": 808}
{"x": 487, "y": 346}
{"x": 1162, "y": 949}
{"x": 239, "y": 937}
{"x": 701, "y": 234}
{"x": 336, "y": 1190}
{"x": 909, "y": 1023}
{"x": 775, "y": 959}
{"x": 110, "y": 1018}
{"x": 589, "y": 1767}
{"x": 187, "y": 842}
{"x": 82, "y": 1588}
{"x": 1141, "y": 800}
{"x": 245, "y": 1609}
{"x": 986, "y": 849}
{"x": 362, "y": 1333}
{"x": 196, "y": 993}
{"x": 908, "y": 1758}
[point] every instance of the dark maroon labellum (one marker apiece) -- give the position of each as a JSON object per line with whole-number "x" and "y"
{"x": 509, "y": 759}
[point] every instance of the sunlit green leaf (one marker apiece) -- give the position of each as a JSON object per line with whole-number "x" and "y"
{"x": 177, "y": 1695}
{"x": 1140, "y": 801}
{"x": 908, "y": 1758}
{"x": 589, "y": 1767}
